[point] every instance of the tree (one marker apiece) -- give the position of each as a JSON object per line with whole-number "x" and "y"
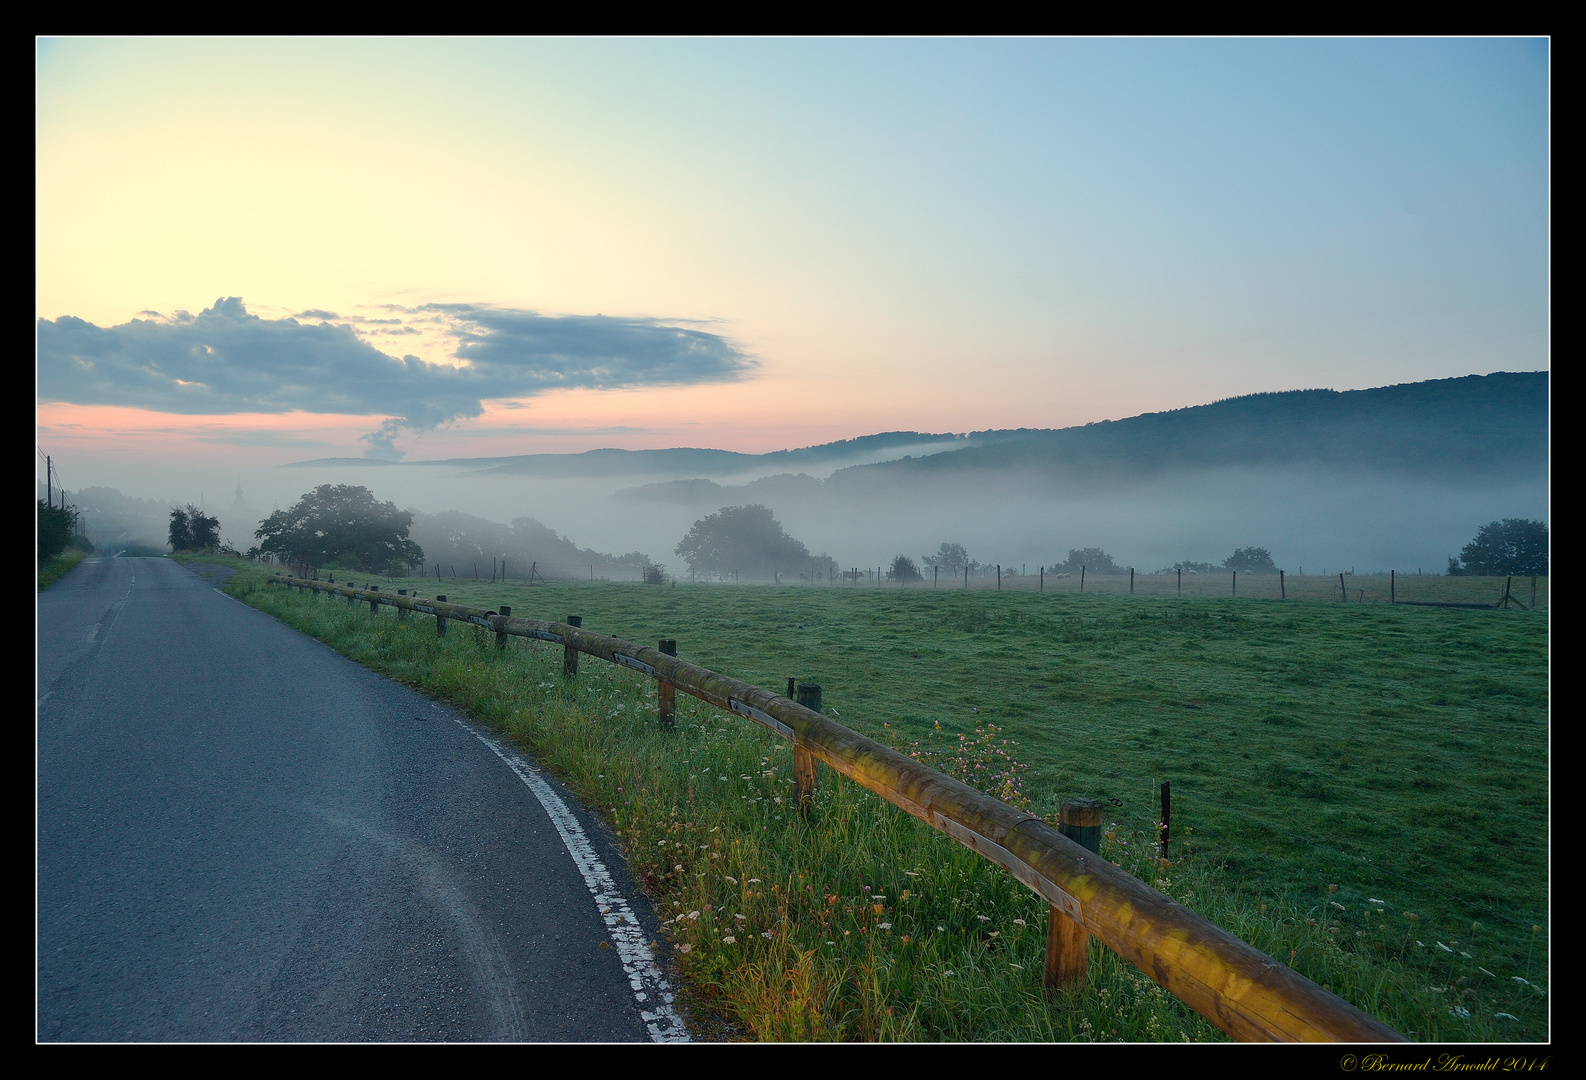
{"x": 949, "y": 558}
{"x": 192, "y": 530}
{"x": 55, "y": 530}
{"x": 1094, "y": 560}
{"x": 904, "y": 571}
{"x": 1251, "y": 560}
{"x": 747, "y": 539}
{"x": 1512, "y": 546}
{"x": 341, "y": 525}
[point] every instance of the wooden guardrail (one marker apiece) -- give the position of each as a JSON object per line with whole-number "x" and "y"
{"x": 1240, "y": 989}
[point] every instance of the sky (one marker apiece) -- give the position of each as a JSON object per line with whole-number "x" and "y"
{"x": 252, "y": 252}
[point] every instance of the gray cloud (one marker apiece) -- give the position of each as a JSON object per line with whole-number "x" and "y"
{"x": 225, "y": 360}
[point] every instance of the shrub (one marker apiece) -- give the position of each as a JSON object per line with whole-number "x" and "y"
{"x": 55, "y": 530}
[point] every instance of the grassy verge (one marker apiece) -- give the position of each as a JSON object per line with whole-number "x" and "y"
{"x": 860, "y": 923}
{"x": 52, "y": 570}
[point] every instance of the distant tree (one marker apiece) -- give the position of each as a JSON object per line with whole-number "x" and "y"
{"x": 1251, "y": 560}
{"x": 1094, "y": 560}
{"x": 746, "y": 539}
{"x": 949, "y": 559}
{"x": 904, "y": 571}
{"x": 341, "y": 525}
{"x": 655, "y": 574}
{"x": 1511, "y": 546}
{"x": 56, "y": 524}
{"x": 1191, "y": 568}
{"x": 192, "y": 530}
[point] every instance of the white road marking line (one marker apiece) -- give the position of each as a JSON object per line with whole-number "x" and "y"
{"x": 650, "y": 987}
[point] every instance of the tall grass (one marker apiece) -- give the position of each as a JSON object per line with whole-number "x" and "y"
{"x": 53, "y": 569}
{"x": 856, "y": 922}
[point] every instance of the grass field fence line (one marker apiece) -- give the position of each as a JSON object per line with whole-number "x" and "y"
{"x": 1241, "y": 990}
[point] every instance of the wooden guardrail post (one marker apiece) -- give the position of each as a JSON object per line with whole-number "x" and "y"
{"x": 570, "y": 654}
{"x": 440, "y": 620}
{"x": 1067, "y": 943}
{"x": 809, "y": 696}
{"x": 665, "y": 692}
{"x": 351, "y": 599}
{"x": 374, "y": 605}
{"x": 402, "y": 612}
{"x": 501, "y": 635}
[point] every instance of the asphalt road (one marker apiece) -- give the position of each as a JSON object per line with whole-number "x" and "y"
{"x": 244, "y": 836}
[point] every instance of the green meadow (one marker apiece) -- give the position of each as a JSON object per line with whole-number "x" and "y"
{"x": 1359, "y": 789}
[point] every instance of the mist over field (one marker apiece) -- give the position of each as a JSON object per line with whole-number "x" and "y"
{"x": 1399, "y": 477}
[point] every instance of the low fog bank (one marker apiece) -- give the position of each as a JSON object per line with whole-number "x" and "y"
{"x": 1307, "y": 518}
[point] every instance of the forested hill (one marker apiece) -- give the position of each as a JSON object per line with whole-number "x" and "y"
{"x": 677, "y": 461}
{"x": 1477, "y": 426}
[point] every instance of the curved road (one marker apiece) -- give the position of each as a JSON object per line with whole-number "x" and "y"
{"x": 244, "y": 836}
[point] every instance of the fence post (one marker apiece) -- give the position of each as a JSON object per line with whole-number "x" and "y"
{"x": 570, "y": 654}
{"x": 1236, "y": 583}
{"x": 1181, "y": 581}
{"x": 374, "y": 604}
{"x": 1131, "y": 581}
{"x": 1343, "y": 590}
{"x": 1167, "y": 821}
{"x": 1067, "y": 943}
{"x": 351, "y": 599}
{"x": 1283, "y": 590}
{"x": 1082, "y": 579}
{"x": 501, "y": 635}
{"x": 809, "y": 696}
{"x": 999, "y": 577}
{"x": 665, "y": 692}
{"x": 440, "y": 620}
{"x": 1043, "y": 577}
